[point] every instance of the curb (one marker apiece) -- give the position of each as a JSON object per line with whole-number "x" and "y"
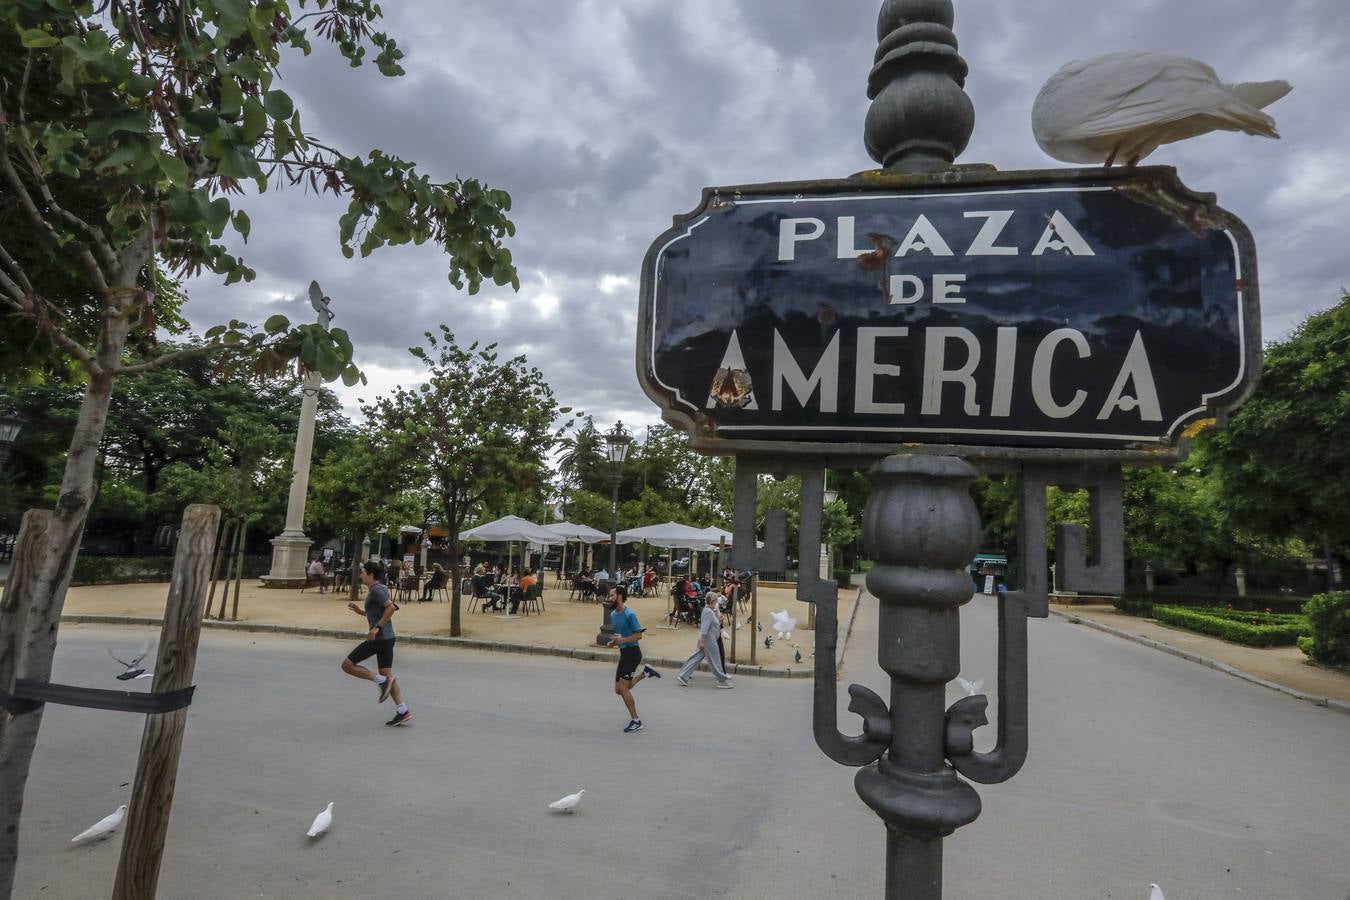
{"x": 587, "y": 653}
{"x": 1340, "y": 706}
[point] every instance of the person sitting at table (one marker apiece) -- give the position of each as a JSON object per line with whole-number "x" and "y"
{"x": 523, "y": 585}
{"x": 508, "y": 586}
{"x": 601, "y": 575}
{"x": 649, "y": 579}
{"x": 434, "y": 583}
{"x": 315, "y": 574}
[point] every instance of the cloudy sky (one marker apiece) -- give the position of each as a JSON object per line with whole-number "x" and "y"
{"x": 604, "y": 118}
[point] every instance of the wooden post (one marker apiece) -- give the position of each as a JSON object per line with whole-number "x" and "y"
{"x": 161, "y": 742}
{"x": 754, "y": 614}
{"x": 238, "y": 573}
{"x": 17, "y": 731}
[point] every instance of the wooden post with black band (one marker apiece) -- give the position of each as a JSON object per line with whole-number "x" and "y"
{"x": 162, "y": 741}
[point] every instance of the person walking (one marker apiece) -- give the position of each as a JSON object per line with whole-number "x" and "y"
{"x": 627, "y": 633}
{"x": 709, "y": 636}
{"x": 379, "y": 642}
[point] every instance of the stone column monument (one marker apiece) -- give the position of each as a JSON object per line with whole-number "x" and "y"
{"x": 290, "y": 549}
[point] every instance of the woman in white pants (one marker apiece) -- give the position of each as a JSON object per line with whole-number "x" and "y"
{"x": 709, "y": 630}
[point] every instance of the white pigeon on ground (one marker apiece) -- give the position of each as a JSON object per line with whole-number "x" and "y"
{"x": 1155, "y": 893}
{"x": 567, "y": 804}
{"x": 1123, "y": 106}
{"x": 970, "y": 687}
{"x": 322, "y": 822}
{"x": 783, "y": 624}
{"x": 103, "y": 827}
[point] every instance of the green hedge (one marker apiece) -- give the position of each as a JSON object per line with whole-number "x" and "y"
{"x": 1280, "y": 603}
{"x": 1236, "y": 626}
{"x": 128, "y": 569}
{"x": 1329, "y": 618}
{"x": 1133, "y": 606}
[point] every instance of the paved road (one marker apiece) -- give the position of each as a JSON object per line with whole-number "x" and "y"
{"x": 1143, "y": 768}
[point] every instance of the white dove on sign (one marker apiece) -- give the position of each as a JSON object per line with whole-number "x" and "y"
{"x": 321, "y": 822}
{"x": 567, "y": 804}
{"x": 103, "y": 827}
{"x": 1155, "y": 893}
{"x": 1125, "y": 105}
{"x": 971, "y": 687}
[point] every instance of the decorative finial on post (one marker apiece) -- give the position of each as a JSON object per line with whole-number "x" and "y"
{"x": 920, "y": 118}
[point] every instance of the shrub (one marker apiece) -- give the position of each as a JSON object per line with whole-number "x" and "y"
{"x": 1329, "y": 618}
{"x": 1131, "y": 606}
{"x": 1259, "y": 630}
{"x": 1286, "y": 603}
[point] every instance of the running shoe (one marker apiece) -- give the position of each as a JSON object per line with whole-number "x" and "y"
{"x": 725, "y": 685}
{"x": 404, "y": 718}
{"x": 650, "y": 672}
{"x": 684, "y": 682}
{"x": 386, "y": 688}
{"x": 635, "y": 725}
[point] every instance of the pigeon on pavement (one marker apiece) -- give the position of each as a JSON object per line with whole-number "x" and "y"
{"x": 103, "y": 827}
{"x": 321, "y": 822}
{"x": 1123, "y": 106}
{"x": 1155, "y": 893}
{"x": 768, "y": 641}
{"x": 797, "y": 656}
{"x": 567, "y": 804}
{"x": 132, "y": 667}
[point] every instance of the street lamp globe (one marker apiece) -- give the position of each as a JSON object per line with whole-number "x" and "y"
{"x": 10, "y": 425}
{"x": 617, "y": 443}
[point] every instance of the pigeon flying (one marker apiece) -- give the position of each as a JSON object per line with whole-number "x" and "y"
{"x": 133, "y": 665}
{"x": 321, "y": 822}
{"x": 971, "y": 687}
{"x": 103, "y": 827}
{"x": 1125, "y": 105}
{"x": 567, "y": 804}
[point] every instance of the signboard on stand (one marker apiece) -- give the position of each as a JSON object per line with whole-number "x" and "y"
{"x": 1109, "y": 312}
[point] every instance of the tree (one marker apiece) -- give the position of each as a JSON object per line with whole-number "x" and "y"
{"x": 125, "y": 131}
{"x": 477, "y": 431}
{"x": 1283, "y": 458}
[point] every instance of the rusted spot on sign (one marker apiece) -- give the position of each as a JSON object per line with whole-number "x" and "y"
{"x": 874, "y": 260}
{"x": 1198, "y": 426}
{"x": 731, "y": 388}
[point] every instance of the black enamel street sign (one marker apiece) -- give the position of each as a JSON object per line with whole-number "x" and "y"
{"x": 1103, "y": 311}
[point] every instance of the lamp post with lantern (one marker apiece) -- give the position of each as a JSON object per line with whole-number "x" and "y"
{"x": 617, "y": 443}
{"x": 10, "y": 425}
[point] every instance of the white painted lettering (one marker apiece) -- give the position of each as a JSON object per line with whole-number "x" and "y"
{"x": 945, "y": 288}
{"x": 1041, "y": 377}
{"x": 923, "y": 236}
{"x": 789, "y": 236}
{"x": 1060, "y": 235}
{"x": 1005, "y": 365}
{"x": 847, "y": 250}
{"x": 905, "y": 289}
{"x": 867, "y": 370}
{"x": 936, "y": 373}
{"x": 825, "y": 376}
{"x": 995, "y": 220}
{"x": 1137, "y": 369}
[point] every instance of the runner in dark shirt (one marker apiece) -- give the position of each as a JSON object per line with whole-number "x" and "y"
{"x": 379, "y": 642}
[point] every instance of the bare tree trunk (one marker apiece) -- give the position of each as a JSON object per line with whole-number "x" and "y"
{"x": 216, "y": 565}
{"x": 229, "y": 575}
{"x": 14, "y": 606}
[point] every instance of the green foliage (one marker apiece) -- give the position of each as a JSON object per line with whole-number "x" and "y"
{"x": 1282, "y": 459}
{"x": 121, "y": 569}
{"x": 1329, "y": 618}
{"x": 1252, "y": 629}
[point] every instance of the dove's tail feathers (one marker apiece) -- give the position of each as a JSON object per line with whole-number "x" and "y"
{"x": 1261, "y": 93}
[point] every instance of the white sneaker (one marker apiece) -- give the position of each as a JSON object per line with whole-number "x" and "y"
{"x": 684, "y": 682}
{"x": 725, "y": 685}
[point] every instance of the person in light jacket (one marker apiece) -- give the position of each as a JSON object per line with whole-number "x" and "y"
{"x": 709, "y": 631}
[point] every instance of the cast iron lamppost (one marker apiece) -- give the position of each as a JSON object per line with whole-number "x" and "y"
{"x": 617, "y": 443}
{"x": 10, "y": 424}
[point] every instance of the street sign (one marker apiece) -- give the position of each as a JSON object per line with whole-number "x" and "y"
{"x": 1106, "y": 312}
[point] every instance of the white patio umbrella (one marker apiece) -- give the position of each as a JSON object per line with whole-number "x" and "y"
{"x": 511, "y": 528}
{"x": 572, "y": 531}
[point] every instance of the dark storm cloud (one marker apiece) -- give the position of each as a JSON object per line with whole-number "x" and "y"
{"x": 605, "y": 119}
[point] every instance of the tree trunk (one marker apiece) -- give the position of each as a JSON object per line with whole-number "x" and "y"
{"x": 1331, "y": 564}
{"x": 18, "y": 736}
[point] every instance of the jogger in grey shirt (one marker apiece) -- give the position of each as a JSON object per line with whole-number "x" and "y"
{"x": 709, "y": 630}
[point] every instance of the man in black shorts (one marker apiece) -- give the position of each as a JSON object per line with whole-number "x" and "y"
{"x": 627, "y": 632}
{"x": 379, "y": 641}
